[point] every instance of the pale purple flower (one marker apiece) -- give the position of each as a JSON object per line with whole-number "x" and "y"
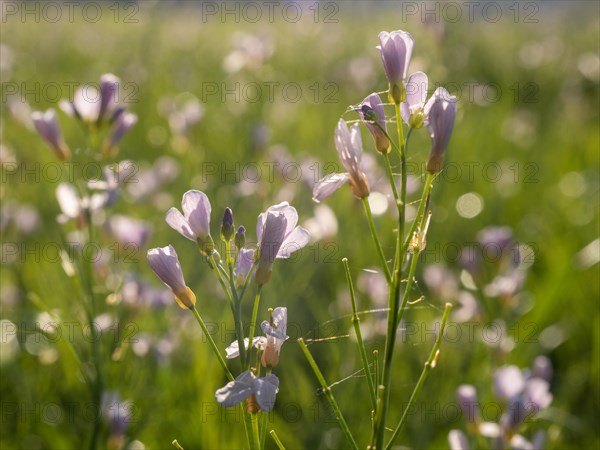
{"x": 441, "y": 122}
{"x": 73, "y": 206}
{"x": 466, "y": 395}
{"x": 271, "y": 231}
{"x": 372, "y": 114}
{"x": 534, "y": 398}
{"x": 247, "y": 384}
{"x": 349, "y": 147}
{"x": 165, "y": 264}
{"x": 508, "y": 382}
{"x": 295, "y": 237}
{"x": 542, "y": 368}
{"x": 233, "y": 350}
{"x": 122, "y": 124}
{"x": 415, "y": 109}
{"x": 457, "y": 440}
{"x": 92, "y": 105}
{"x": 194, "y": 223}
{"x": 130, "y": 233}
{"x": 396, "y": 50}
{"x": 48, "y": 128}
{"x": 275, "y": 330}
{"x": 243, "y": 265}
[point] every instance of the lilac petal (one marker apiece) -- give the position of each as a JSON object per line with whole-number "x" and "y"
{"x": 233, "y": 351}
{"x": 508, "y": 382}
{"x": 121, "y": 126}
{"x": 244, "y": 262}
{"x": 196, "y": 209}
{"x": 266, "y": 390}
{"x": 67, "y": 107}
{"x": 537, "y": 394}
{"x": 176, "y": 221}
{"x": 288, "y": 211}
{"x": 271, "y": 240}
{"x": 236, "y": 391}
{"x": 86, "y": 103}
{"x": 297, "y": 239}
{"x": 109, "y": 86}
{"x": 457, "y": 440}
{"x": 349, "y": 146}
{"x": 328, "y": 185}
{"x": 405, "y": 112}
{"x": 279, "y": 327}
{"x": 165, "y": 264}
{"x": 68, "y": 200}
{"x": 416, "y": 90}
{"x": 441, "y": 122}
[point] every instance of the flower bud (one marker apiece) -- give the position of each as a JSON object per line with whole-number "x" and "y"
{"x": 227, "y": 229}
{"x": 240, "y": 237}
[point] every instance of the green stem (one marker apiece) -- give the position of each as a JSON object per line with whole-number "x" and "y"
{"x": 264, "y": 420}
{"x": 212, "y": 343}
{"x": 402, "y": 206}
{"x": 384, "y": 264}
{"x": 255, "y": 432}
{"x": 243, "y": 291}
{"x": 328, "y": 394}
{"x": 390, "y": 175}
{"x": 254, "y": 316}
{"x": 429, "y": 364}
{"x": 277, "y": 440}
{"x": 361, "y": 344}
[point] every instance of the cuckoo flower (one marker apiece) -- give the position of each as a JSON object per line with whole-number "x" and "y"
{"x": 271, "y": 236}
{"x": 121, "y": 126}
{"x": 414, "y": 110}
{"x": 243, "y": 265}
{"x": 295, "y": 237}
{"x": 74, "y": 207}
{"x": 373, "y": 116}
{"x": 396, "y": 49}
{"x": 275, "y": 330}
{"x": 441, "y": 122}
{"x": 93, "y": 106}
{"x": 261, "y": 390}
{"x": 47, "y": 126}
{"x": 349, "y": 147}
{"x": 165, "y": 264}
{"x": 194, "y": 223}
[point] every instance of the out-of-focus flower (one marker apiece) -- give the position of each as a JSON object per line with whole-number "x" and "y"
{"x": 275, "y": 330}
{"x": 263, "y": 390}
{"x": 415, "y": 110}
{"x": 118, "y": 414}
{"x": 372, "y": 114}
{"x": 272, "y": 234}
{"x": 441, "y": 122}
{"x": 194, "y": 223}
{"x": 508, "y": 382}
{"x": 165, "y": 264}
{"x": 349, "y": 147}
{"x": 183, "y": 111}
{"x": 542, "y": 368}
{"x": 295, "y": 237}
{"x": 323, "y": 225}
{"x": 115, "y": 176}
{"x": 129, "y": 232}
{"x": 396, "y": 50}
{"x": 73, "y": 206}
{"x": 466, "y": 395}
{"x": 250, "y": 52}
{"x": 458, "y": 441}
{"x": 95, "y": 106}
{"x": 48, "y": 128}
{"x": 122, "y": 125}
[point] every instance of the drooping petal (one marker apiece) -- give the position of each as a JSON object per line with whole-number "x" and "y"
{"x": 441, "y": 123}
{"x": 296, "y": 240}
{"x": 233, "y": 351}
{"x": 121, "y": 126}
{"x": 270, "y": 243}
{"x": 327, "y": 185}
{"x": 236, "y": 391}
{"x": 196, "y": 209}
{"x": 165, "y": 264}
{"x": 46, "y": 124}
{"x": 265, "y": 390}
{"x": 176, "y": 221}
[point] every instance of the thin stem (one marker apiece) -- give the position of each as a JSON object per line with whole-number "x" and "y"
{"x": 386, "y": 269}
{"x": 277, "y": 440}
{"x": 328, "y": 394}
{"x": 249, "y": 425}
{"x": 409, "y": 282}
{"x": 216, "y": 269}
{"x": 255, "y": 432}
{"x": 212, "y": 343}
{"x": 361, "y": 344}
{"x": 390, "y": 174}
{"x": 429, "y": 364}
{"x": 243, "y": 291}
{"x": 264, "y": 420}
{"x": 254, "y": 316}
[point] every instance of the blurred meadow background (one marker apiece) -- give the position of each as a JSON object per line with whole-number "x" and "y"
{"x": 244, "y": 109}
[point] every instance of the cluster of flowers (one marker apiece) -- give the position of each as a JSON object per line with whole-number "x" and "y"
{"x": 278, "y": 236}
{"x": 437, "y": 113}
{"x": 523, "y": 393}
{"x": 95, "y": 109}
